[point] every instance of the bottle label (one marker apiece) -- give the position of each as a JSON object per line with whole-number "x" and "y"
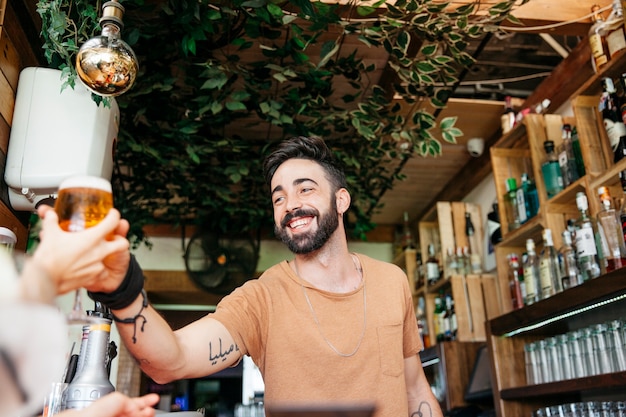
{"x": 614, "y": 130}
{"x": 585, "y": 242}
{"x": 529, "y": 282}
{"x": 432, "y": 271}
{"x": 597, "y": 50}
{"x": 545, "y": 276}
{"x": 616, "y": 41}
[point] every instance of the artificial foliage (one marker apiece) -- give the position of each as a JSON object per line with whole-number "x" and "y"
{"x": 177, "y": 161}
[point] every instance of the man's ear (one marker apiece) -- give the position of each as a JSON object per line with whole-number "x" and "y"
{"x": 343, "y": 199}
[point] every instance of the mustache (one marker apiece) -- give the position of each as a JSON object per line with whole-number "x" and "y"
{"x": 298, "y": 213}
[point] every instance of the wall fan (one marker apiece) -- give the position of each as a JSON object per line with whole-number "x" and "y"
{"x": 219, "y": 264}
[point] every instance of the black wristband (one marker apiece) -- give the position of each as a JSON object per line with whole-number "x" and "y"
{"x": 127, "y": 292}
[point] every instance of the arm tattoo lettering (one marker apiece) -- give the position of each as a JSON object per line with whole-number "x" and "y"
{"x": 221, "y": 354}
{"x": 423, "y": 410}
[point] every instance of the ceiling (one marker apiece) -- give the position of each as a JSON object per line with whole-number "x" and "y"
{"x": 513, "y": 65}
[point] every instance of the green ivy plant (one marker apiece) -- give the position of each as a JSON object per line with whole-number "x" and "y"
{"x": 177, "y": 160}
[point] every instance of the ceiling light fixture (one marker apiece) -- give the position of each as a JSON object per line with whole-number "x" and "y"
{"x": 105, "y": 64}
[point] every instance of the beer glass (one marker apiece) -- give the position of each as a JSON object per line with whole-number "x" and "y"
{"x": 82, "y": 202}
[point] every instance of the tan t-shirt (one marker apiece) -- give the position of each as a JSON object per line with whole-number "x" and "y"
{"x": 271, "y": 320}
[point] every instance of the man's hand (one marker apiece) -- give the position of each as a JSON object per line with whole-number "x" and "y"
{"x": 95, "y": 258}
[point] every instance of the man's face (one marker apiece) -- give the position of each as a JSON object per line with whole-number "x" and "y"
{"x": 299, "y": 191}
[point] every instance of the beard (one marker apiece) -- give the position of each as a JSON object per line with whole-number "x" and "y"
{"x": 308, "y": 242}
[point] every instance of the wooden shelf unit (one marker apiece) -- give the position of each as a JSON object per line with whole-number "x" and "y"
{"x": 595, "y": 301}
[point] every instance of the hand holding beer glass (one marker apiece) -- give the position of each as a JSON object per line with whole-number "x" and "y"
{"x": 82, "y": 202}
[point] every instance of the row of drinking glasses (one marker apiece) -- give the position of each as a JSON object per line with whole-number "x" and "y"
{"x": 250, "y": 410}
{"x": 584, "y": 409}
{"x": 593, "y": 350}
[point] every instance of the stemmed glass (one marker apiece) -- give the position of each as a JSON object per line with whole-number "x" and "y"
{"x": 83, "y": 201}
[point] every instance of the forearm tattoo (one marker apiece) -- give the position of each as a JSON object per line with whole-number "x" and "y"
{"x": 423, "y": 410}
{"x": 221, "y": 353}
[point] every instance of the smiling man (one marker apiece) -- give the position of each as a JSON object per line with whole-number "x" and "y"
{"x": 328, "y": 326}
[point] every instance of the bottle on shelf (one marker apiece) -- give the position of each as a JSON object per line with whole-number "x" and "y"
{"x": 454, "y": 325}
{"x": 438, "y": 315}
{"x": 531, "y": 198}
{"x": 578, "y": 156}
{"x": 551, "y": 170}
{"x": 432, "y": 266}
{"x": 407, "y": 236}
{"x": 612, "y": 118}
{"x": 549, "y": 275}
{"x": 515, "y": 287}
{"x": 452, "y": 265}
{"x": 567, "y": 160}
{"x": 622, "y": 210}
{"x": 476, "y": 264}
{"x": 611, "y": 234}
{"x": 447, "y": 318}
{"x": 615, "y": 39}
{"x": 462, "y": 263}
{"x": 531, "y": 274}
{"x": 508, "y": 116}
{"x": 570, "y": 277}
{"x": 586, "y": 234}
{"x": 510, "y": 204}
{"x": 419, "y": 271}
{"x": 597, "y": 39}
{"x": 422, "y": 322}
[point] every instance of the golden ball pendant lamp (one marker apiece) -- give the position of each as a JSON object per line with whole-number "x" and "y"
{"x": 105, "y": 64}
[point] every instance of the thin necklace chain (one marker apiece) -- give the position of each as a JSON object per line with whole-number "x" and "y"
{"x": 317, "y": 322}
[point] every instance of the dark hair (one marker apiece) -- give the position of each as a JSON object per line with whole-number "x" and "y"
{"x": 303, "y": 147}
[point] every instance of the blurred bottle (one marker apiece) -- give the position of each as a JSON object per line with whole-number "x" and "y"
{"x": 549, "y": 275}
{"x": 515, "y": 289}
{"x": 476, "y": 264}
{"x": 407, "y": 236}
{"x": 611, "y": 233}
{"x": 508, "y": 116}
{"x": 531, "y": 198}
{"x": 570, "y": 277}
{"x": 567, "y": 160}
{"x": 597, "y": 39}
{"x": 551, "y": 170}
{"x": 586, "y": 233}
{"x": 622, "y": 210}
{"x": 452, "y": 266}
{"x": 609, "y": 107}
{"x": 422, "y": 322}
{"x": 432, "y": 266}
{"x": 510, "y": 203}
{"x": 493, "y": 226}
{"x": 531, "y": 274}
{"x": 578, "y": 156}
{"x": 447, "y": 318}
{"x": 439, "y": 314}
{"x": 454, "y": 325}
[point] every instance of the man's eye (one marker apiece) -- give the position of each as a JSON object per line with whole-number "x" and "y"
{"x": 278, "y": 200}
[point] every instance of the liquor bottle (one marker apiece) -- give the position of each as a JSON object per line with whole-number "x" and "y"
{"x": 567, "y": 160}
{"x": 432, "y": 266}
{"x": 615, "y": 37}
{"x": 611, "y": 116}
{"x": 622, "y": 106}
{"x": 597, "y": 39}
{"x": 508, "y": 117}
{"x": 422, "y": 322}
{"x": 586, "y": 232}
{"x": 462, "y": 263}
{"x": 611, "y": 233}
{"x": 551, "y": 170}
{"x": 549, "y": 275}
{"x": 531, "y": 198}
{"x": 531, "y": 274}
{"x": 570, "y": 277}
{"x": 515, "y": 289}
{"x": 407, "y": 236}
{"x": 510, "y": 204}
{"x": 578, "y": 156}
{"x": 622, "y": 211}
{"x": 452, "y": 266}
{"x": 447, "y": 319}
{"x": 476, "y": 264}
{"x": 523, "y": 209}
{"x": 439, "y": 318}
{"x": 454, "y": 325}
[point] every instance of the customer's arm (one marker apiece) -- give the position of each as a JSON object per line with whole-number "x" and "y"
{"x": 117, "y": 405}
{"x": 422, "y": 401}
